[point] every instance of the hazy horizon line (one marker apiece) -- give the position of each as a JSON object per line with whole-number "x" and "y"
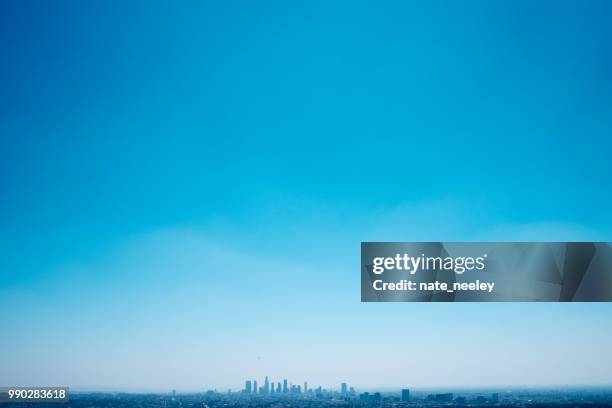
{"x": 419, "y": 389}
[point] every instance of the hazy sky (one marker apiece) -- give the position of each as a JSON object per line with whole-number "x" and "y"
{"x": 184, "y": 188}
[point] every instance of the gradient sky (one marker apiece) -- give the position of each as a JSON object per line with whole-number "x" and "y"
{"x": 184, "y": 187}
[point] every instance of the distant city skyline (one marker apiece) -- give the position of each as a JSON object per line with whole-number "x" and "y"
{"x": 268, "y": 387}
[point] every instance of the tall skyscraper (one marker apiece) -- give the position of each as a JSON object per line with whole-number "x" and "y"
{"x": 266, "y": 386}
{"x": 405, "y": 395}
{"x": 278, "y": 388}
{"x": 255, "y": 389}
{"x": 247, "y": 386}
{"x": 343, "y": 389}
{"x": 285, "y": 389}
{"x": 272, "y": 387}
{"x": 305, "y": 387}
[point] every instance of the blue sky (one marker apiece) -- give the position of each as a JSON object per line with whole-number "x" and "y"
{"x": 184, "y": 187}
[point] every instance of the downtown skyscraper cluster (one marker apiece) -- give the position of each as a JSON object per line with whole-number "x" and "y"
{"x": 269, "y": 388}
